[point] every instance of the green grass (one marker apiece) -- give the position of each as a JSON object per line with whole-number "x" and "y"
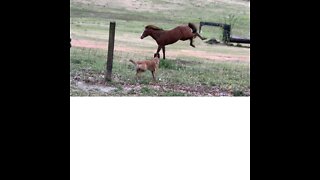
{"x": 91, "y": 22}
{"x": 87, "y": 58}
{"x": 94, "y": 17}
{"x": 228, "y": 76}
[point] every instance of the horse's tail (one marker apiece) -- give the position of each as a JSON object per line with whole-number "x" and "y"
{"x": 194, "y": 31}
{"x": 193, "y": 27}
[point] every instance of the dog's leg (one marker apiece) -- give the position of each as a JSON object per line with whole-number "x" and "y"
{"x": 137, "y": 75}
{"x": 153, "y": 75}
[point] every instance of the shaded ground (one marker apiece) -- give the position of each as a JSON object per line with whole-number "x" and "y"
{"x": 89, "y": 83}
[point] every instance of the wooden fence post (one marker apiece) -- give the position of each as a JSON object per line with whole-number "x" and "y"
{"x": 226, "y": 33}
{"x": 108, "y": 72}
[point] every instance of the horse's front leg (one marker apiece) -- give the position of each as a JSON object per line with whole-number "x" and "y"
{"x": 157, "y": 53}
{"x": 191, "y": 42}
{"x": 164, "y": 52}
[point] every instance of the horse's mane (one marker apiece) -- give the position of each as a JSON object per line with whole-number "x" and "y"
{"x": 153, "y": 27}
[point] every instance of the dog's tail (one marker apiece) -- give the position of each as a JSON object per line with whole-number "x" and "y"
{"x": 132, "y": 61}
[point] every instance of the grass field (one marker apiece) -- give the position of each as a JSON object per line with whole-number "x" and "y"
{"x": 207, "y": 70}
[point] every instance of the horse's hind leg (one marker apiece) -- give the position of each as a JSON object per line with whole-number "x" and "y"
{"x": 191, "y": 42}
{"x": 164, "y": 52}
{"x": 197, "y": 34}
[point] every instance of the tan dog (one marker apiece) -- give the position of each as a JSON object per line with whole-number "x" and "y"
{"x": 151, "y": 65}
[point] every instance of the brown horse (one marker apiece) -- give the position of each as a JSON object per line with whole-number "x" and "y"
{"x": 166, "y": 37}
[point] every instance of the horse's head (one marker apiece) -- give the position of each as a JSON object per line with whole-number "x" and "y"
{"x": 145, "y": 33}
{"x": 149, "y": 30}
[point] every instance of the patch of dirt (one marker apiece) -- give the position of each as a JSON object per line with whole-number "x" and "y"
{"x": 183, "y": 62}
{"x": 133, "y": 5}
{"x": 87, "y": 87}
{"x": 211, "y": 56}
{"x": 188, "y": 53}
{"x": 102, "y": 45}
{"x": 135, "y": 89}
{"x": 92, "y": 84}
{"x": 194, "y": 90}
{"x": 238, "y": 2}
